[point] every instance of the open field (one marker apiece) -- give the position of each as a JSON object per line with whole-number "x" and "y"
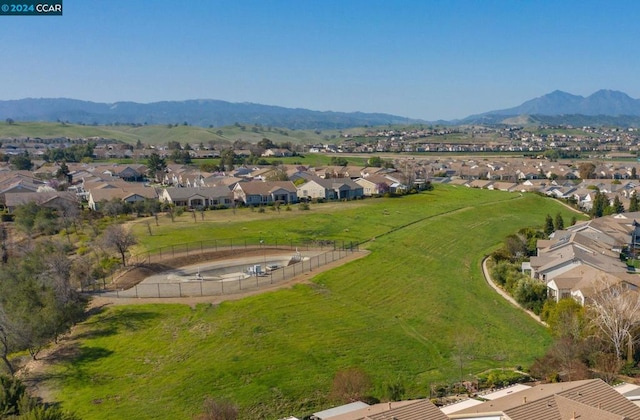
{"x": 400, "y": 314}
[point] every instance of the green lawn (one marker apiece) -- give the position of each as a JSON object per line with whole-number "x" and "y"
{"x": 397, "y": 314}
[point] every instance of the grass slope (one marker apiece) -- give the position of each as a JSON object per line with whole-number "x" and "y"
{"x": 397, "y": 314}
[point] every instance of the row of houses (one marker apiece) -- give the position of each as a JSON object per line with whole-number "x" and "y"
{"x": 192, "y": 188}
{"x": 590, "y": 399}
{"x": 582, "y": 193}
{"x": 584, "y": 259}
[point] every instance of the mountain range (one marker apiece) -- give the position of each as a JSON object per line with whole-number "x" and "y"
{"x": 604, "y": 107}
{"x": 202, "y": 113}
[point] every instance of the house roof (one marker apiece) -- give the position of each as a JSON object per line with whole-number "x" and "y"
{"x": 401, "y": 410}
{"x": 176, "y": 193}
{"x": 99, "y": 194}
{"x": 419, "y": 410}
{"x": 40, "y": 198}
{"x": 590, "y": 399}
{"x": 266, "y": 187}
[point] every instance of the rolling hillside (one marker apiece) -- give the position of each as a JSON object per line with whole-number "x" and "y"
{"x": 400, "y": 314}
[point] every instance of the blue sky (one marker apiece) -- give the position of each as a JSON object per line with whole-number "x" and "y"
{"x": 420, "y": 59}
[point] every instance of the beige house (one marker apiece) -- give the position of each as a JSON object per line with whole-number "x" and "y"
{"x": 256, "y": 193}
{"x": 330, "y": 189}
{"x": 196, "y": 197}
{"x": 129, "y": 194}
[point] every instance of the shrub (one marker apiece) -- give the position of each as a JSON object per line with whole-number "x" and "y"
{"x": 502, "y": 378}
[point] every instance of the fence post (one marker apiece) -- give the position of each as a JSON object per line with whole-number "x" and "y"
{"x": 158, "y": 289}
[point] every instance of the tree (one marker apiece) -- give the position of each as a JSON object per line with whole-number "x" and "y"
{"x": 617, "y": 207}
{"x": 21, "y": 162}
{"x": 338, "y": 161}
{"x": 10, "y": 121}
{"x": 600, "y": 203}
{"x": 531, "y": 294}
{"x": 516, "y": 246}
{"x": 615, "y": 313}
{"x": 586, "y": 170}
{"x": 155, "y": 165}
{"x": 633, "y": 203}
{"x": 278, "y": 174}
{"x": 350, "y": 385}
{"x": 375, "y": 161}
{"x": 566, "y": 319}
{"x": 32, "y": 218}
{"x": 16, "y": 403}
{"x": 548, "y": 225}
{"x": 37, "y": 300}
{"x": 227, "y": 159}
{"x": 119, "y": 238}
{"x": 559, "y": 222}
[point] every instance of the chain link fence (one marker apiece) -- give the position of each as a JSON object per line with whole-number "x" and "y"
{"x": 320, "y": 253}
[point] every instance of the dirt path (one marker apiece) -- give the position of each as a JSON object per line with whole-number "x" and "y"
{"x": 501, "y": 292}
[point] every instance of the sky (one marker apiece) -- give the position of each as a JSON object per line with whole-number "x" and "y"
{"x": 425, "y": 59}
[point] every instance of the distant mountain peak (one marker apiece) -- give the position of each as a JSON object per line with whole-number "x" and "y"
{"x": 604, "y": 102}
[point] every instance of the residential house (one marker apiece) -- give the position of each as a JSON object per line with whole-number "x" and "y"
{"x": 256, "y": 193}
{"x": 330, "y": 189}
{"x": 197, "y": 197}
{"x": 422, "y": 409}
{"x": 18, "y": 182}
{"x": 131, "y": 173}
{"x": 590, "y": 399}
{"x": 277, "y": 153}
{"x": 129, "y": 193}
{"x": 57, "y": 200}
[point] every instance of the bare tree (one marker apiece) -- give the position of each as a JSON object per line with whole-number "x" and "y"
{"x": 350, "y": 385}
{"x": 119, "y": 238}
{"x": 615, "y": 313}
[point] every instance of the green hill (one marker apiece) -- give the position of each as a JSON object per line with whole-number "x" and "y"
{"x": 400, "y": 314}
{"x": 162, "y": 134}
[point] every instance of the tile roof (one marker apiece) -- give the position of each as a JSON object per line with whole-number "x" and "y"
{"x": 590, "y": 399}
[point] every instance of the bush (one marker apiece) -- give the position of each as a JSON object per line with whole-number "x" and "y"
{"x": 304, "y": 206}
{"x": 531, "y": 294}
{"x": 501, "y": 378}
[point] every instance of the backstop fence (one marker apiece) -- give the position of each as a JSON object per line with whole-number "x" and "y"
{"x": 319, "y": 253}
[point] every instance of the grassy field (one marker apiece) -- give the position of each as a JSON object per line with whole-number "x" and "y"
{"x": 400, "y": 314}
